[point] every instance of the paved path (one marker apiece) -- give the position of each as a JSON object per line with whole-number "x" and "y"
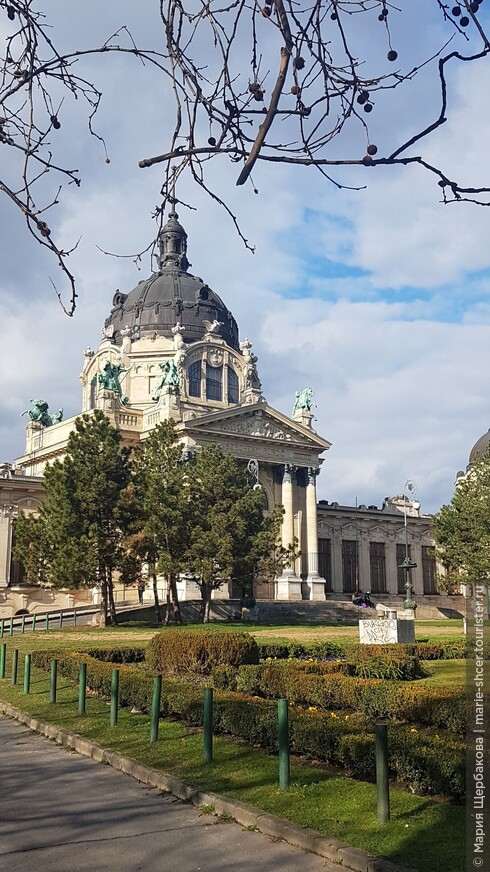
{"x": 61, "y": 812}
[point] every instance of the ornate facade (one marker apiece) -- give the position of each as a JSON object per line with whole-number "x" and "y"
{"x": 170, "y": 349}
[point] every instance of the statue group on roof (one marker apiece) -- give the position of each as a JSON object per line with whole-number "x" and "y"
{"x": 40, "y": 413}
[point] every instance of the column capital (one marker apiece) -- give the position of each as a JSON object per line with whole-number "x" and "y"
{"x": 287, "y": 474}
{"x": 313, "y": 471}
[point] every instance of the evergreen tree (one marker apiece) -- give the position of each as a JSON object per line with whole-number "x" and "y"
{"x": 79, "y": 532}
{"x": 230, "y": 534}
{"x": 161, "y": 516}
{"x": 462, "y": 529}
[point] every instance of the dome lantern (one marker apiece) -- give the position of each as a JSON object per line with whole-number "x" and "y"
{"x": 173, "y": 245}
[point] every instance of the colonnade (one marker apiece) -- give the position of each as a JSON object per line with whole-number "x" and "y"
{"x": 289, "y": 585}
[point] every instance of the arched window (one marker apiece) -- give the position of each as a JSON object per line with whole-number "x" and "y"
{"x": 93, "y": 392}
{"x": 232, "y": 386}
{"x": 195, "y": 375}
{"x": 214, "y": 382}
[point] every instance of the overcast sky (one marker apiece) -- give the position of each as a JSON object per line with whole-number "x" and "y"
{"x": 378, "y": 299}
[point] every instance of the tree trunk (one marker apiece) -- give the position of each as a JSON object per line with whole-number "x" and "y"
{"x": 205, "y": 602}
{"x": 103, "y": 599}
{"x": 158, "y": 613}
{"x": 110, "y": 592}
{"x": 173, "y": 607}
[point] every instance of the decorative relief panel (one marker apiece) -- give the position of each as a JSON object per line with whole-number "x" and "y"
{"x": 252, "y": 425}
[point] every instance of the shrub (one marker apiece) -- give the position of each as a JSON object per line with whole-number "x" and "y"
{"x": 312, "y": 684}
{"x": 392, "y": 662}
{"x": 427, "y": 764}
{"x": 456, "y": 649}
{"x": 180, "y": 651}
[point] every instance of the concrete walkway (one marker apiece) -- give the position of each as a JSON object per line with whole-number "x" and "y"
{"x": 61, "y": 812}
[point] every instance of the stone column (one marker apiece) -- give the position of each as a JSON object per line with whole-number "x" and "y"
{"x": 364, "y": 561}
{"x": 288, "y": 585}
{"x": 314, "y": 581}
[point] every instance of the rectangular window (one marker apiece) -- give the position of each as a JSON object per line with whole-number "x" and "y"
{"x": 401, "y": 574}
{"x": 325, "y": 561}
{"x": 214, "y": 379}
{"x": 429, "y": 569}
{"x": 378, "y": 567}
{"x": 195, "y": 375}
{"x": 349, "y": 565}
{"x": 232, "y": 386}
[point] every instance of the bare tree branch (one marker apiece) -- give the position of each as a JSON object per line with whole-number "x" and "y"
{"x": 233, "y": 101}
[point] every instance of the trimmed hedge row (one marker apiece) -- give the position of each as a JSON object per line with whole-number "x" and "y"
{"x": 426, "y": 764}
{"x": 174, "y": 651}
{"x": 392, "y": 662}
{"x": 313, "y": 684}
{"x": 454, "y": 650}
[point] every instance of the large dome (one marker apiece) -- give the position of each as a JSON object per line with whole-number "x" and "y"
{"x": 479, "y": 448}
{"x": 169, "y": 296}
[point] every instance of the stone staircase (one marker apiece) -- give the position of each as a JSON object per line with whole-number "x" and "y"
{"x": 306, "y": 612}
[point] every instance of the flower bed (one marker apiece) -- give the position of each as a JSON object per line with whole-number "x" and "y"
{"x": 426, "y": 763}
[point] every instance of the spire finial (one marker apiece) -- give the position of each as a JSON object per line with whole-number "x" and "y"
{"x": 173, "y": 243}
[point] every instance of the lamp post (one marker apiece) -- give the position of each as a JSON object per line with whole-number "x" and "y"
{"x": 408, "y": 564}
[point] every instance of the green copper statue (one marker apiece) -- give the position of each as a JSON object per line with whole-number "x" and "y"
{"x": 39, "y": 413}
{"x": 109, "y": 379}
{"x": 303, "y": 400}
{"x": 170, "y": 378}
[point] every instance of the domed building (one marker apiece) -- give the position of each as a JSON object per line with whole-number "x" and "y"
{"x": 170, "y": 349}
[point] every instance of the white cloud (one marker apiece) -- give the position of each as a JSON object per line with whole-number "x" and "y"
{"x": 401, "y": 392}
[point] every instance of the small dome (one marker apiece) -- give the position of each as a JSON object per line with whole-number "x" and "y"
{"x": 479, "y": 448}
{"x": 172, "y": 295}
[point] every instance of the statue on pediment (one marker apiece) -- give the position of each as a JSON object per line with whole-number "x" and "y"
{"x": 303, "y": 400}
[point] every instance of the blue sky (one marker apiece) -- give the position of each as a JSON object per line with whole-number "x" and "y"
{"x": 378, "y": 299}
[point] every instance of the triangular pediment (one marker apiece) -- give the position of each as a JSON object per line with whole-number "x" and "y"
{"x": 258, "y": 422}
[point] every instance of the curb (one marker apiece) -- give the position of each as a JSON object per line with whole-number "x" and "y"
{"x": 246, "y": 815}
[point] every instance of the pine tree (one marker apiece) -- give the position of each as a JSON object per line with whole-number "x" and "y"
{"x": 462, "y": 528}
{"x": 79, "y": 532}
{"x": 160, "y": 528}
{"x": 231, "y": 534}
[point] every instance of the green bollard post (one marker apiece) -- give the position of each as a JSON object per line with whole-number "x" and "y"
{"x": 53, "y": 681}
{"x": 3, "y": 659}
{"x": 114, "y": 696}
{"x": 15, "y": 664}
{"x": 382, "y": 775}
{"x": 33, "y": 625}
{"x": 208, "y": 725}
{"x": 11, "y": 627}
{"x": 74, "y": 617}
{"x": 23, "y": 624}
{"x": 283, "y": 742}
{"x": 1, "y": 628}
{"x": 27, "y": 673}
{"x": 155, "y": 707}
{"x": 82, "y": 688}
{"x": 47, "y": 621}
{"x": 61, "y": 620}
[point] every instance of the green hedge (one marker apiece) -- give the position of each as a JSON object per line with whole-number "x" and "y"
{"x": 428, "y": 765}
{"x": 393, "y": 662}
{"x": 314, "y": 684}
{"x": 453, "y": 650}
{"x": 181, "y": 651}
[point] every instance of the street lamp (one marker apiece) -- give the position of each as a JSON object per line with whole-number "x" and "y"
{"x": 407, "y": 565}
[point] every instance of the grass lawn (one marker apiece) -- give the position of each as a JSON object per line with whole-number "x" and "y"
{"x": 445, "y": 673}
{"x": 330, "y": 802}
